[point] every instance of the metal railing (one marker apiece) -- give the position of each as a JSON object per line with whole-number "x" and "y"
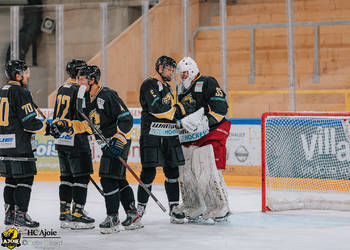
{"x": 231, "y": 95}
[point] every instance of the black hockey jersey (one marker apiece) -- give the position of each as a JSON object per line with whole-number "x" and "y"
{"x": 17, "y": 119}
{"x": 66, "y": 108}
{"x": 158, "y": 109}
{"x": 109, "y": 113}
{"x": 206, "y": 92}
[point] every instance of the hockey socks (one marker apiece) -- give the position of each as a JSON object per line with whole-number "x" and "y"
{"x": 65, "y": 188}
{"x": 127, "y": 198}
{"x": 112, "y": 195}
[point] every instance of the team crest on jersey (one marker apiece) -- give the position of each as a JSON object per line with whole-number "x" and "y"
{"x": 160, "y": 86}
{"x": 167, "y": 99}
{"x": 95, "y": 118}
{"x": 11, "y": 238}
{"x": 188, "y": 99}
{"x": 100, "y": 103}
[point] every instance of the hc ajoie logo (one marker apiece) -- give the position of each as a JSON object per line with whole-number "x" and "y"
{"x": 41, "y": 233}
{"x": 11, "y": 238}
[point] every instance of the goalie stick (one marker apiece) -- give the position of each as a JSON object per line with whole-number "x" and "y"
{"x": 99, "y": 133}
{"x": 45, "y": 120}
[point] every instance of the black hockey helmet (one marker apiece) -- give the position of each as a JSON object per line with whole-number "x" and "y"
{"x": 14, "y": 67}
{"x": 91, "y": 71}
{"x": 73, "y": 67}
{"x": 165, "y": 61}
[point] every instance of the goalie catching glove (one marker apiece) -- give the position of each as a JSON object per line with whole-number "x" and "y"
{"x": 115, "y": 147}
{"x": 196, "y": 121}
{"x": 69, "y": 127}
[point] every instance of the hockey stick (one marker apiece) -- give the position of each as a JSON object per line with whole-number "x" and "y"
{"x": 40, "y": 112}
{"x": 4, "y": 158}
{"x": 92, "y": 180}
{"x": 96, "y": 186}
{"x": 99, "y": 133}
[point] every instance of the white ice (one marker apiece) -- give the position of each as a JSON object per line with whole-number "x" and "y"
{"x": 247, "y": 228}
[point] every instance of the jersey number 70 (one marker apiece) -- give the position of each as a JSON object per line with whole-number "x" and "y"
{"x": 4, "y": 111}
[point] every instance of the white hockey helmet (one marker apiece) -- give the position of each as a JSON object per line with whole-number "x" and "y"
{"x": 187, "y": 64}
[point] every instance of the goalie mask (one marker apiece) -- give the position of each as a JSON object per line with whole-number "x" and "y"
{"x": 164, "y": 61}
{"x": 187, "y": 64}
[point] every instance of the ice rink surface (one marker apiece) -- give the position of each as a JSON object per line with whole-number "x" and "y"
{"x": 247, "y": 228}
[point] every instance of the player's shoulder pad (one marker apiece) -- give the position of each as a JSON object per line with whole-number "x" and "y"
{"x": 208, "y": 79}
{"x": 60, "y": 88}
{"x": 150, "y": 82}
{"x": 108, "y": 91}
{"x": 21, "y": 90}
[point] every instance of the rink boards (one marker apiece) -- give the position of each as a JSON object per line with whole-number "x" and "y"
{"x": 243, "y": 154}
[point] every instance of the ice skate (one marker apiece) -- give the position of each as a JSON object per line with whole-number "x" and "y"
{"x": 141, "y": 209}
{"x": 80, "y": 220}
{"x": 176, "y": 216}
{"x": 223, "y": 218}
{"x": 133, "y": 220}
{"x": 110, "y": 224}
{"x": 22, "y": 219}
{"x": 65, "y": 215}
{"x": 9, "y": 215}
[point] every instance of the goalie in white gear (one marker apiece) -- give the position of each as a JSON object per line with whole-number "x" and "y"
{"x": 204, "y": 144}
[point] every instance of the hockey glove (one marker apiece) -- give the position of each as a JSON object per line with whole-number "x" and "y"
{"x": 193, "y": 121}
{"x": 189, "y": 107}
{"x": 185, "y": 108}
{"x": 61, "y": 126}
{"x": 115, "y": 147}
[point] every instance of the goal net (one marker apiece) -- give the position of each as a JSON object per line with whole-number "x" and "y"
{"x": 305, "y": 161}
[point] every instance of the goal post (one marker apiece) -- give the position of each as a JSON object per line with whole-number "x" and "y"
{"x": 305, "y": 161}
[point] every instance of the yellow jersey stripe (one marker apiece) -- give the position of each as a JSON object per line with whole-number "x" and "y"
{"x": 166, "y": 115}
{"x": 217, "y": 116}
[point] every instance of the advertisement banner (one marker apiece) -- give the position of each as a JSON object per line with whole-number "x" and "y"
{"x": 244, "y": 145}
{"x": 243, "y": 151}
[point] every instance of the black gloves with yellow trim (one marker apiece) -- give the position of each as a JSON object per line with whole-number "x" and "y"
{"x": 61, "y": 126}
{"x": 115, "y": 147}
{"x": 69, "y": 127}
{"x": 186, "y": 107}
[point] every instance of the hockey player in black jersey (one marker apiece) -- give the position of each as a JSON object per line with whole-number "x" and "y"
{"x": 74, "y": 154}
{"x": 203, "y": 187}
{"x": 109, "y": 114}
{"x": 18, "y": 123}
{"x": 159, "y": 143}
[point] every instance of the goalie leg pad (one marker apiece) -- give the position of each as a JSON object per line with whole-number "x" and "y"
{"x": 211, "y": 184}
{"x": 193, "y": 204}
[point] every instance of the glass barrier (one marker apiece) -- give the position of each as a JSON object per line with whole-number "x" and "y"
{"x": 125, "y": 42}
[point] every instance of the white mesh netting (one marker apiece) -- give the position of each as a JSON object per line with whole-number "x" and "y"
{"x": 307, "y": 162}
